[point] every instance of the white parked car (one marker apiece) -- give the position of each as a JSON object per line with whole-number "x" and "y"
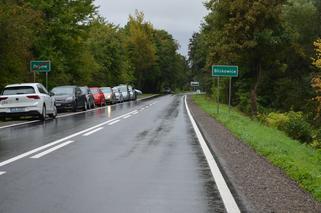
{"x": 27, "y": 100}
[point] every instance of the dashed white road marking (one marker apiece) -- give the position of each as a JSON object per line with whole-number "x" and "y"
{"x": 23, "y": 155}
{"x": 127, "y": 116}
{"x": 226, "y": 195}
{"x": 114, "y": 122}
{"x": 2, "y": 173}
{"x": 51, "y": 150}
{"x": 92, "y": 132}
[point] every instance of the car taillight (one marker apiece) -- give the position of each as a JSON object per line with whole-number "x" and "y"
{"x": 33, "y": 97}
{"x": 3, "y": 98}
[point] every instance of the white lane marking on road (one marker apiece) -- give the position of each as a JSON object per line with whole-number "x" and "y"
{"x": 134, "y": 113}
{"x": 66, "y": 115}
{"x": 114, "y": 122}
{"x": 92, "y": 132}
{"x": 2, "y": 173}
{"x": 226, "y": 195}
{"x": 23, "y": 155}
{"x": 128, "y": 116}
{"x": 51, "y": 150}
{"x": 19, "y": 124}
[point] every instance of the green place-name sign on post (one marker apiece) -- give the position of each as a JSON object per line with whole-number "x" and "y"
{"x": 40, "y": 66}
{"x": 225, "y": 71}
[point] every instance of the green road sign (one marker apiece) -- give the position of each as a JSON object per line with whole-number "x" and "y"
{"x": 225, "y": 70}
{"x": 40, "y": 66}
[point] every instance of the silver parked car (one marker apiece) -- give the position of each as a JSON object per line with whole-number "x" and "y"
{"x": 124, "y": 91}
{"x": 89, "y": 97}
{"x": 118, "y": 95}
{"x": 132, "y": 93}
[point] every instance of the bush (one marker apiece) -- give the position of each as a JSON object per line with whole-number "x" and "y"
{"x": 297, "y": 128}
{"x": 277, "y": 120}
{"x": 292, "y": 123}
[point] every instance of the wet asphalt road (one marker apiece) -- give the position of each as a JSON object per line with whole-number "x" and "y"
{"x": 145, "y": 161}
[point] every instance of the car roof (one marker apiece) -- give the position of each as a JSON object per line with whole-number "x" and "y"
{"x": 23, "y": 84}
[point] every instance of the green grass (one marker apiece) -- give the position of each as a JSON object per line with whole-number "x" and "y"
{"x": 300, "y": 162}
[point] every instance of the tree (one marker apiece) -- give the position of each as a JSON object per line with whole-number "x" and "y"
{"x": 63, "y": 39}
{"x": 140, "y": 47}
{"x": 19, "y": 25}
{"x": 106, "y": 42}
{"x": 248, "y": 33}
{"x": 316, "y": 81}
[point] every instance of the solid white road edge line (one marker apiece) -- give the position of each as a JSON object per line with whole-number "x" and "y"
{"x": 2, "y": 173}
{"x": 51, "y": 150}
{"x": 6, "y": 162}
{"x": 19, "y": 124}
{"x": 92, "y": 132}
{"x": 66, "y": 115}
{"x": 226, "y": 195}
{"x": 114, "y": 122}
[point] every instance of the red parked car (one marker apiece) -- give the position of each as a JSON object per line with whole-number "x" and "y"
{"x": 98, "y": 96}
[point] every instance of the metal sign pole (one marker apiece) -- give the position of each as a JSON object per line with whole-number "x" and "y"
{"x": 34, "y": 76}
{"x": 218, "y": 95}
{"x": 230, "y": 95}
{"x": 47, "y": 80}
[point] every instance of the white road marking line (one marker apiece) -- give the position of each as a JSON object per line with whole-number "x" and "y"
{"x": 2, "y": 173}
{"x": 114, "y": 122}
{"x": 62, "y": 116}
{"x": 51, "y": 150}
{"x": 128, "y": 116}
{"x": 134, "y": 113}
{"x": 23, "y": 155}
{"x": 92, "y": 132}
{"x": 19, "y": 124}
{"x": 226, "y": 195}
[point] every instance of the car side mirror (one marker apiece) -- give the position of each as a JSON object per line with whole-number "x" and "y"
{"x": 51, "y": 94}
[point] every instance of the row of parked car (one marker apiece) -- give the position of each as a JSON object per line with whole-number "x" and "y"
{"x": 32, "y": 99}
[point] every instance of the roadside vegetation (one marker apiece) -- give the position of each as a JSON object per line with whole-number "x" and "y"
{"x": 299, "y": 161}
{"x": 277, "y": 46}
{"x": 84, "y": 48}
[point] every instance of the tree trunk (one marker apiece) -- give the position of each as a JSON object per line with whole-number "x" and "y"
{"x": 253, "y": 96}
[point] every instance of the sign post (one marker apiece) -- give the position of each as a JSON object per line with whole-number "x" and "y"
{"x": 40, "y": 67}
{"x": 194, "y": 85}
{"x": 224, "y": 71}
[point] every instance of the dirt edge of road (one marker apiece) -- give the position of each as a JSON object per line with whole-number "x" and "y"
{"x": 258, "y": 186}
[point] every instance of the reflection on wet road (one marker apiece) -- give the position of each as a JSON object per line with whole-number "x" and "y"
{"x": 134, "y": 157}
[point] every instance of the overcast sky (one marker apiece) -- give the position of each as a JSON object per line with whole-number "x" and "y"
{"x": 179, "y": 17}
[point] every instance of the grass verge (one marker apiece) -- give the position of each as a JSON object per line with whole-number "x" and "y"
{"x": 299, "y": 161}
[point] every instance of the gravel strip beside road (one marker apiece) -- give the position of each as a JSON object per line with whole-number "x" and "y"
{"x": 260, "y": 187}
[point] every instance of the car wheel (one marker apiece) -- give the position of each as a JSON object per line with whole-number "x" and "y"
{"x": 54, "y": 114}
{"x": 43, "y": 115}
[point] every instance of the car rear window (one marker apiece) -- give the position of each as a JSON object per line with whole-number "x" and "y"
{"x": 106, "y": 90}
{"x": 20, "y": 90}
{"x": 94, "y": 90}
{"x": 84, "y": 90}
{"x": 63, "y": 90}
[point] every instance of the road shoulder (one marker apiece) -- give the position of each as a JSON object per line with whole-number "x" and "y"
{"x": 258, "y": 185}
